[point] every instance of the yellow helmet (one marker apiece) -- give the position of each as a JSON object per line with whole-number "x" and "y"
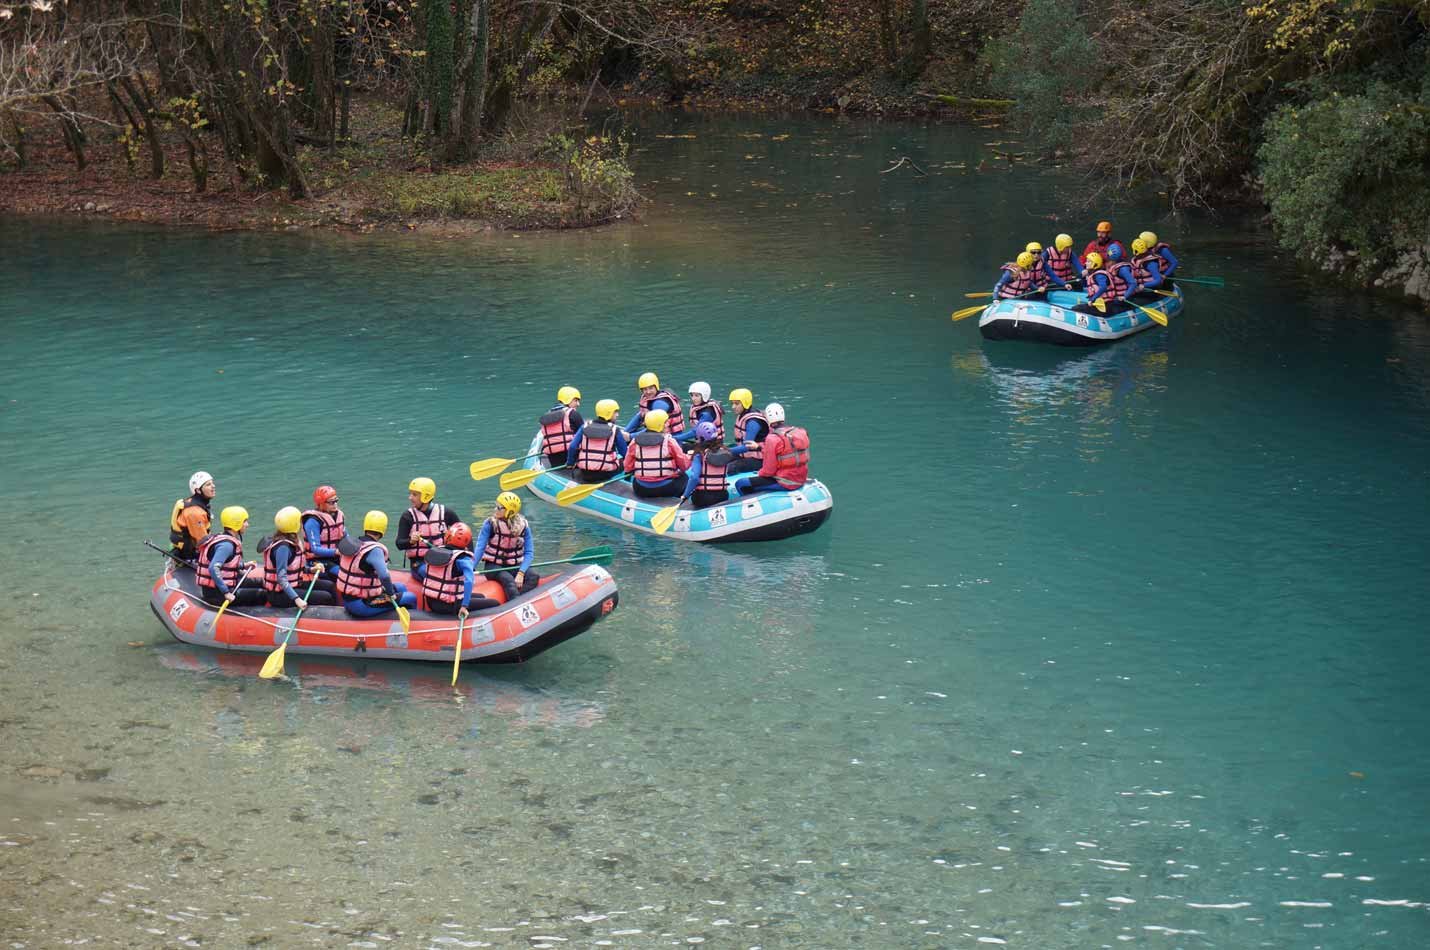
{"x": 288, "y": 520}
{"x": 510, "y": 501}
{"x": 606, "y": 409}
{"x": 1062, "y": 242}
{"x": 425, "y": 488}
{"x": 743, "y": 396}
{"x": 1034, "y": 248}
{"x": 1025, "y": 260}
{"x": 648, "y": 379}
{"x": 1149, "y": 237}
{"x": 1139, "y": 246}
{"x": 1094, "y": 260}
{"x": 655, "y": 420}
{"x": 565, "y": 394}
{"x": 375, "y": 521}
{"x": 234, "y": 517}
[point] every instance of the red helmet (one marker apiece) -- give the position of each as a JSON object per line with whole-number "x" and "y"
{"x": 458, "y": 536}
{"x": 324, "y": 494}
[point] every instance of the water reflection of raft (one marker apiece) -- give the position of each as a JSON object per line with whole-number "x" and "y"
{"x": 564, "y": 604}
{"x": 769, "y": 516}
{"x": 1056, "y": 321}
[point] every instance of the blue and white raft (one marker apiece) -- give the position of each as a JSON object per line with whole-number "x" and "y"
{"x": 1055, "y": 321}
{"x": 768, "y": 516}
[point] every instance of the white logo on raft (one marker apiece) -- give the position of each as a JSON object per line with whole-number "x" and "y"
{"x": 717, "y": 517}
{"x": 527, "y": 615}
{"x": 1082, "y": 320}
{"x": 177, "y": 611}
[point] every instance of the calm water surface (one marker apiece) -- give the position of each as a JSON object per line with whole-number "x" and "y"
{"x": 1120, "y": 647}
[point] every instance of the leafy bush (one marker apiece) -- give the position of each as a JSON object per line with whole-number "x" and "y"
{"x": 1044, "y": 64}
{"x": 599, "y": 178}
{"x": 1348, "y": 172}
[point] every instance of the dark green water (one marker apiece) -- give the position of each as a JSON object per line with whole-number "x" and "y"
{"x": 1099, "y": 648}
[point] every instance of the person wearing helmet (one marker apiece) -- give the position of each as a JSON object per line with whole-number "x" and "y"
{"x": 451, "y": 574}
{"x": 559, "y": 424}
{"x": 324, "y": 527}
{"x": 1059, "y": 263}
{"x": 751, "y": 428}
{"x": 1113, "y": 281}
{"x": 1146, "y": 266}
{"x": 707, "y": 482}
{"x": 221, "y": 566}
{"x": 190, "y": 519}
{"x": 505, "y": 543}
{"x": 656, "y": 461}
{"x": 423, "y": 524}
{"x": 1016, "y": 280}
{"x": 284, "y": 572}
{"x": 367, "y": 588}
{"x": 1040, "y": 272}
{"x": 654, "y": 397}
{"x": 786, "y": 461}
{"x": 1168, "y": 261}
{"x": 702, "y": 409}
{"x": 1102, "y": 243}
{"x": 598, "y": 447}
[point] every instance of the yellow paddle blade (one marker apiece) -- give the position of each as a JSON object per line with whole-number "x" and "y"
{"x": 486, "y": 468}
{"x": 1100, "y": 304}
{"x": 404, "y": 618}
{"x": 514, "y": 480}
{"x": 981, "y": 293}
{"x": 457, "y": 659}
{"x": 664, "y": 519}
{"x": 273, "y": 666}
{"x": 575, "y": 493}
{"x": 968, "y": 311}
{"x": 1164, "y": 293}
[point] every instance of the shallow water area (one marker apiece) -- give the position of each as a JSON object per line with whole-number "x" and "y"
{"x": 1099, "y": 648}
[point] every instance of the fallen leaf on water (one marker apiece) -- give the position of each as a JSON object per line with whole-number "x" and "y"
{"x": 1356, "y": 774}
{"x": 136, "y": 643}
{"x": 779, "y": 138}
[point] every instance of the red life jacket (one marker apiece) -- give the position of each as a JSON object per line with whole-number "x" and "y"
{"x": 1019, "y": 283}
{"x": 1162, "y": 246}
{"x": 676, "y": 423}
{"x": 297, "y": 577}
{"x": 443, "y": 581}
{"x": 719, "y": 419}
{"x": 1040, "y": 274}
{"x": 556, "y": 430}
{"x": 597, "y": 452}
{"x": 1117, "y": 285}
{"x": 791, "y": 456}
{"x": 746, "y": 417}
{"x": 331, "y": 528}
{"x": 506, "y": 547}
{"x": 229, "y": 569}
{"x": 655, "y": 462}
{"x": 430, "y": 525}
{"x": 1062, "y": 264}
{"x": 712, "y": 469}
{"x": 1139, "y": 266}
{"x": 355, "y": 580}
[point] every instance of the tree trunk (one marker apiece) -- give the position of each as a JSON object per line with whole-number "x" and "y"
{"x": 123, "y": 115}
{"x": 73, "y": 134}
{"x": 472, "y": 80}
{"x": 18, "y": 147}
{"x": 917, "y": 54}
{"x": 888, "y": 40}
{"x": 144, "y": 103}
{"x": 440, "y": 65}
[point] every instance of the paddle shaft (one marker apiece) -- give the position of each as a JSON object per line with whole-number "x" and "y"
{"x": 306, "y": 594}
{"x": 170, "y": 555}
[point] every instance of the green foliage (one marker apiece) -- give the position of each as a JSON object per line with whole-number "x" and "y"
{"x": 440, "y": 62}
{"x": 510, "y": 195}
{"x": 599, "y": 178}
{"x": 1348, "y": 171}
{"x": 1044, "y": 64}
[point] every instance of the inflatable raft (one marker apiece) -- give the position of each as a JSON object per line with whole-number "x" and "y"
{"x": 564, "y": 604}
{"x": 1056, "y": 320}
{"x": 768, "y": 516}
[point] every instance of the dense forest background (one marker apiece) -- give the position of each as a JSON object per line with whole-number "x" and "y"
{"x": 1320, "y": 109}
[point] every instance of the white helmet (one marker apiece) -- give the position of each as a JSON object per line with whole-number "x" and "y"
{"x": 198, "y": 480}
{"x": 775, "y": 413}
{"x": 702, "y": 390}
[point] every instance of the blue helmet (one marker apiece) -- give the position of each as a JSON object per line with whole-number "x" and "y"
{"x": 1114, "y": 252}
{"x": 704, "y": 431}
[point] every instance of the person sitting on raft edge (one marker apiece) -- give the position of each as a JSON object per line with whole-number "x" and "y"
{"x": 559, "y": 425}
{"x": 751, "y": 429}
{"x": 598, "y": 447}
{"x": 189, "y": 521}
{"x": 451, "y": 574}
{"x": 284, "y": 570}
{"x": 655, "y": 460}
{"x": 786, "y": 457}
{"x": 1059, "y": 263}
{"x": 653, "y": 397}
{"x": 221, "y": 565}
{"x": 324, "y": 527}
{"x": 707, "y": 480}
{"x": 423, "y": 524}
{"x": 1016, "y": 280}
{"x": 505, "y": 542}
{"x": 368, "y": 590}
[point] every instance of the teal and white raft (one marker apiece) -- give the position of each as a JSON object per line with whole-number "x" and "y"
{"x": 768, "y": 516}
{"x": 1056, "y": 320}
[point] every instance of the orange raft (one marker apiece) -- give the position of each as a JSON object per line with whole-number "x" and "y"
{"x": 564, "y": 604}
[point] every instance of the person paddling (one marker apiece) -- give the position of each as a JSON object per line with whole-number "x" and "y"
{"x": 190, "y": 519}
{"x": 598, "y": 447}
{"x": 1164, "y": 253}
{"x": 367, "y": 588}
{"x": 1146, "y": 266}
{"x": 559, "y": 424}
{"x": 221, "y": 564}
{"x": 451, "y": 574}
{"x": 505, "y": 543}
{"x": 656, "y": 461}
{"x": 284, "y": 570}
{"x": 707, "y": 482}
{"x": 786, "y": 457}
{"x": 1016, "y": 280}
{"x": 423, "y": 524}
{"x": 324, "y": 528}
{"x": 1061, "y": 265}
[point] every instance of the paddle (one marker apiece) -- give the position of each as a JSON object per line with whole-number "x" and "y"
{"x": 514, "y": 480}
{"x": 234, "y": 591}
{"x": 970, "y": 311}
{"x": 457, "y": 658}
{"x": 665, "y": 518}
{"x": 575, "y": 493}
{"x": 1155, "y": 315}
{"x": 958, "y": 315}
{"x": 601, "y": 554}
{"x": 486, "y": 468}
{"x": 1164, "y": 293}
{"x": 1209, "y": 281}
{"x": 403, "y": 617}
{"x": 273, "y": 666}
{"x": 171, "y": 555}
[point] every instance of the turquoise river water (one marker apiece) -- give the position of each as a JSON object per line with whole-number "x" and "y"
{"x": 1120, "y": 647}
